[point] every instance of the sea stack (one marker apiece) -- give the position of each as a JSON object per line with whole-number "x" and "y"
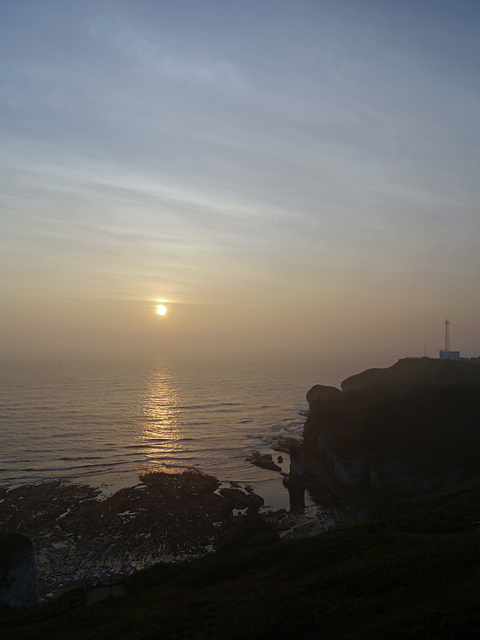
{"x": 18, "y": 572}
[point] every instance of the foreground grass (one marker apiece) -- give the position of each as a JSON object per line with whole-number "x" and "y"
{"x": 410, "y": 576}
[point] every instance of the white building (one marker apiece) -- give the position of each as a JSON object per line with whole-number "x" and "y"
{"x": 449, "y": 355}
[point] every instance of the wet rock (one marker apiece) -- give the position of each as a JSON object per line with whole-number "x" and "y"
{"x": 265, "y": 461}
{"x": 240, "y": 500}
{"x": 255, "y": 503}
{"x": 237, "y": 497}
{"x": 167, "y": 517}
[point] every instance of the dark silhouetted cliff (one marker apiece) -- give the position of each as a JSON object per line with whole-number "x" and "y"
{"x": 416, "y": 423}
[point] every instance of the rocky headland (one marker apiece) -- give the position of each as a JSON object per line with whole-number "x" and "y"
{"x": 415, "y": 424}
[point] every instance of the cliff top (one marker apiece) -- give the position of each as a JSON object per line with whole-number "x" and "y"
{"x": 415, "y": 372}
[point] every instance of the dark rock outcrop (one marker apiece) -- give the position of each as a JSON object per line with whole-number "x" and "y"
{"x": 18, "y": 572}
{"x": 323, "y": 392}
{"x": 80, "y": 534}
{"x": 264, "y": 461}
{"x": 242, "y": 500}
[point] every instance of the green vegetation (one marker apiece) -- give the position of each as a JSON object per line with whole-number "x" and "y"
{"x": 415, "y": 574}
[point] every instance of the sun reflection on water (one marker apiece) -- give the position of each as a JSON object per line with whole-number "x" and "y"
{"x": 161, "y": 437}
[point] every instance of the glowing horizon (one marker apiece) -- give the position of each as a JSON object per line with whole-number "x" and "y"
{"x": 289, "y": 177}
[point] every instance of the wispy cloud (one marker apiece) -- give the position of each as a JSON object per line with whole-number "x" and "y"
{"x": 239, "y": 154}
{"x": 167, "y": 56}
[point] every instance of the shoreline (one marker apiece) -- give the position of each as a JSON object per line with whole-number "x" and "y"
{"x": 80, "y": 533}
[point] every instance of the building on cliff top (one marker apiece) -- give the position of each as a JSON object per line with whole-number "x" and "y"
{"x": 450, "y": 355}
{"x": 445, "y": 353}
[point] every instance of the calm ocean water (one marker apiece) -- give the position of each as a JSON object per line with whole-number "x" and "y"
{"x": 102, "y": 422}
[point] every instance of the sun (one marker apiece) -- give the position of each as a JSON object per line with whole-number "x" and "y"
{"x": 161, "y": 309}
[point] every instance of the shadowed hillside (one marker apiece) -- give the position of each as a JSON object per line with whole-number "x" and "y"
{"x": 410, "y": 576}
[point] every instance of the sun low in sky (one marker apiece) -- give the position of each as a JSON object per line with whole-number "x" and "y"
{"x": 297, "y": 176}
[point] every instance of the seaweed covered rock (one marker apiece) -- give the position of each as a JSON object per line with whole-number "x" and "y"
{"x": 18, "y": 572}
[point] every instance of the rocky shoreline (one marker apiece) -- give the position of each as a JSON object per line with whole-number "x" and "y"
{"x": 79, "y": 534}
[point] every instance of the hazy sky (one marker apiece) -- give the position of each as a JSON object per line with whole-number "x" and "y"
{"x": 288, "y": 176}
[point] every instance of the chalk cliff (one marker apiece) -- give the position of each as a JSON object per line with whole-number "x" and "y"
{"x": 18, "y": 572}
{"x": 416, "y": 423}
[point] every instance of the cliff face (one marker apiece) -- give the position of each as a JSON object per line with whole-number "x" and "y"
{"x": 421, "y": 430}
{"x": 18, "y": 572}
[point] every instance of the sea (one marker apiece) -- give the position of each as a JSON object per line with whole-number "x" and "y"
{"x": 103, "y": 422}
